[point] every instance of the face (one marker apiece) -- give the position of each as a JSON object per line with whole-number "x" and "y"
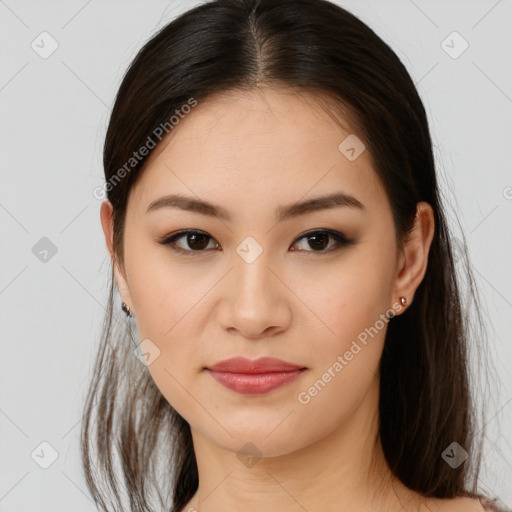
{"x": 253, "y": 282}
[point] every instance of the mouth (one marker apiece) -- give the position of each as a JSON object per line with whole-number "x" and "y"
{"x": 252, "y": 377}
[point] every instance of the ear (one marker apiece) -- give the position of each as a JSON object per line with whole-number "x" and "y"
{"x": 414, "y": 258}
{"x": 107, "y": 222}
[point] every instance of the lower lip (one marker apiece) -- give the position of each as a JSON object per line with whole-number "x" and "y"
{"x": 254, "y": 383}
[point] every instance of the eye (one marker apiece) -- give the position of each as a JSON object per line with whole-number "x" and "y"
{"x": 319, "y": 240}
{"x": 197, "y": 241}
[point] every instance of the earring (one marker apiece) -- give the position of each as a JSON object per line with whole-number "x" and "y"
{"x": 403, "y": 301}
{"x": 126, "y": 309}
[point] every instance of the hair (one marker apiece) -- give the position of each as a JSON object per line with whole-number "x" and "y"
{"x": 426, "y": 401}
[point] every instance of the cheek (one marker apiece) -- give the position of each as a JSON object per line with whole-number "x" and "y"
{"x": 350, "y": 357}
{"x": 352, "y": 304}
{"x": 346, "y": 361}
{"x": 165, "y": 294}
{"x": 351, "y": 297}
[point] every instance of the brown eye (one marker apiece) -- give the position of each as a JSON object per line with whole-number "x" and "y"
{"x": 194, "y": 242}
{"x": 197, "y": 241}
{"x": 319, "y": 240}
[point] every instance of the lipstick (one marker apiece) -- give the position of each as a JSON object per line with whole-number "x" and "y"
{"x": 254, "y": 376}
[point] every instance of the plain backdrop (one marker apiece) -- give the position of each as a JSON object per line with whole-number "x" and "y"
{"x": 54, "y": 266}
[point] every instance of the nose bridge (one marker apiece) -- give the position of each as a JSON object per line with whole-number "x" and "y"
{"x": 253, "y": 304}
{"x": 251, "y": 264}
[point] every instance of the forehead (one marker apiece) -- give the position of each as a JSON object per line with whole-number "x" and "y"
{"x": 269, "y": 145}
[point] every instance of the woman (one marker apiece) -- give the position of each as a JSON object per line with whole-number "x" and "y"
{"x": 270, "y": 371}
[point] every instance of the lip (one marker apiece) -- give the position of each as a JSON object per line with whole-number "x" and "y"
{"x": 254, "y": 376}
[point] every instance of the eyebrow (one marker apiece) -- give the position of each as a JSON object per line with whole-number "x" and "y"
{"x": 282, "y": 213}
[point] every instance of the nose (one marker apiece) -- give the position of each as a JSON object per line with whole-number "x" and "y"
{"x": 255, "y": 301}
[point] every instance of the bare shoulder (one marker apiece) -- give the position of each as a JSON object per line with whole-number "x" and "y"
{"x": 466, "y": 505}
{"x": 482, "y": 504}
{"x": 462, "y": 504}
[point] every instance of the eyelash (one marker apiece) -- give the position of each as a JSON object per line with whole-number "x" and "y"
{"x": 337, "y": 236}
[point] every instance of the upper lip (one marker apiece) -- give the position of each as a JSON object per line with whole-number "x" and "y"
{"x": 261, "y": 365}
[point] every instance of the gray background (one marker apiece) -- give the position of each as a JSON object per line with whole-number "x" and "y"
{"x": 54, "y": 113}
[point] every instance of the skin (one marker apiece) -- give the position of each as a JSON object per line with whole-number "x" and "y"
{"x": 251, "y": 153}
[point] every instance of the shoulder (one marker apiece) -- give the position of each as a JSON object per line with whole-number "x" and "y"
{"x": 461, "y": 504}
{"x": 466, "y": 504}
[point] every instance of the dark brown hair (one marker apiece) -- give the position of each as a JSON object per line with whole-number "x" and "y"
{"x": 426, "y": 401}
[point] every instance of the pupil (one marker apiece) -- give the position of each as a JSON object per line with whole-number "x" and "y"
{"x": 192, "y": 239}
{"x": 324, "y": 237}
